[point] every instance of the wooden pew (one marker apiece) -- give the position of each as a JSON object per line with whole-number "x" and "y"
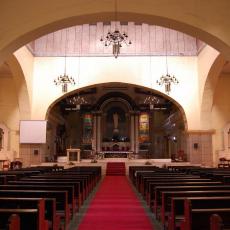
{"x": 199, "y": 218}
{"x": 141, "y": 175}
{"x": 60, "y": 196}
{"x": 151, "y": 180}
{"x": 29, "y": 218}
{"x": 226, "y": 179}
{"x": 25, "y": 203}
{"x": 81, "y": 179}
{"x": 41, "y": 169}
{"x": 30, "y": 203}
{"x": 96, "y": 170}
{"x": 133, "y": 169}
{"x": 183, "y": 182}
{"x": 91, "y": 179}
{"x": 182, "y": 187}
{"x": 70, "y": 191}
{"x": 62, "y": 180}
{"x": 183, "y": 168}
{"x": 210, "y": 172}
{"x": 216, "y": 222}
{"x": 6, "y": 178}
{"x": 19, "y": 174}
{"x": 176, "y": 199}
{"x": 13, "y": 222}
{"x": 88, "y": 178}
{"x": 35, "y": 183}
{"x": 3, "y": 179}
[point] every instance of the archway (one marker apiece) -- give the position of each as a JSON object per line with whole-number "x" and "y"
{"x": 209, "y": 90}
{"x": 215, "y": 106}
{"x": 20, "y": 86}
{"x": 78, "y": 12}
{"x": 15, "y": 104}
{"x": 156, "y": 131}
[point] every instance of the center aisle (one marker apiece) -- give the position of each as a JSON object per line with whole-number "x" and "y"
{"x": 115, "y": 207}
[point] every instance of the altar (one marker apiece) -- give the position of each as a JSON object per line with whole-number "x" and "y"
{"x": 116, "y": 154}
{"x": 73, "y": 155}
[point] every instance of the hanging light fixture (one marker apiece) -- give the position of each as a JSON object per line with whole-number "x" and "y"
{"x": 77, "y": 100}
{"x": 167, "y": 79}
{"x": 64, "y": 79}
{"x": 116, "y": 39}
{"x": 151, "y": 100}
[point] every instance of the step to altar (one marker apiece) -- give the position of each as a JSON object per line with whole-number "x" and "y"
{"x": 115, "y": 168}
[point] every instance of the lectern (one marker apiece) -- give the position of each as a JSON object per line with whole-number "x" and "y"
{"x": 73, "y": 155}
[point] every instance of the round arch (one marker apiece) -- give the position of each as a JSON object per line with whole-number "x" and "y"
{"x": 56, "y": 15}
{"x": 209, "y": 90}
{"x": 20, "y": 87}
{"x": 132, "y": 104}
{"x": 107, "y": 98}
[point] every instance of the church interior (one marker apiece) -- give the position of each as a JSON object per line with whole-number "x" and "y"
{"x": 110, "y": 89}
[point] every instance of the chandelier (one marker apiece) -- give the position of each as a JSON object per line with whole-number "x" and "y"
{"x": 64, "y": 79}
{"x": 167, "y": 79}
{"x": 116, "y": 38}
{"x": 77, "y": 101}
{"x": 151, "y": 100}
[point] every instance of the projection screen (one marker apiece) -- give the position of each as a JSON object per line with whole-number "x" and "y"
{"x": 32, "y": 131}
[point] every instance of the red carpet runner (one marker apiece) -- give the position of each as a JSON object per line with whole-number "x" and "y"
{"x": 115, "y": 169}
{"x": 115, "y": 207}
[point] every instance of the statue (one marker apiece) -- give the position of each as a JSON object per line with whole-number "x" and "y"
{"x": 115, "y": 122}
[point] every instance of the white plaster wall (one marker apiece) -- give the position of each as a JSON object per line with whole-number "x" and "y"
{"x": 220, "y": 111}
{"x": 26, "y": 61}
{"x": 143, "y": 71}
{"x": 9, "y": 113}
{"x": 205, "y": 60}
{"x": 210, "y": 64}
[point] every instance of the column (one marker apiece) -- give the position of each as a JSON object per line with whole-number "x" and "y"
{"x": 136, "y": 132}
{"x": 151, "y": 134}
{"x": 94, "y": 141}
{"x": 132, "y": 133}
{"x": 98, "y": 132}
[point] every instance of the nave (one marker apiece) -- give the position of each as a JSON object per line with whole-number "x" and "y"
{"x": 176, "y": 197}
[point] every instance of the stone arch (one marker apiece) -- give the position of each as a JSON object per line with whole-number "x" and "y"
{"x": 51, "y": 17}
{"x": 209, "y": 90}
{"x": 20, "y": 86}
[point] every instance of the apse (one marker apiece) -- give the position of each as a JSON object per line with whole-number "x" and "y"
{"x": 117, "y": 120}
